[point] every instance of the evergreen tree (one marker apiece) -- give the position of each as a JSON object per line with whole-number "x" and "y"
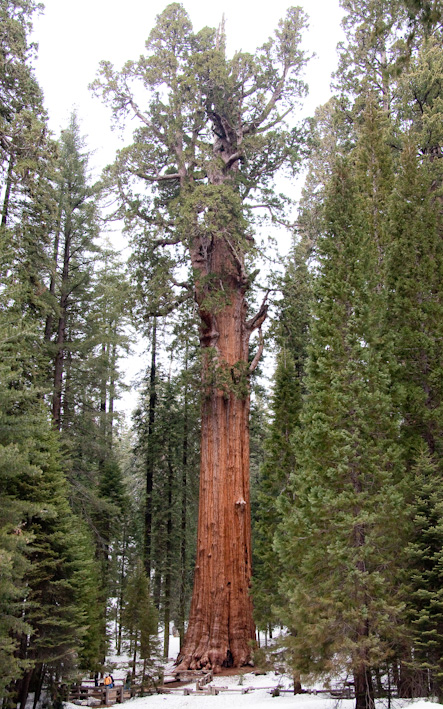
{"x": 14, "y": 461}
{"x": 140, "y": 619}
{"x": 74, "y": 237}
{"x": 368, "y": 60}
{"x": 342, "y": 586}
{"x": 415, "y": 261}
{"x": 425, "y": 557}
{"x": 279, "y": 458}
{"x": 172, "y": 451}
{"x": 42, "y": 546}
{"x": 415, "y": 317}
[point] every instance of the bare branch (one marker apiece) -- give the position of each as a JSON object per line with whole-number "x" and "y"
{"x": 156, "y": 178}
{"x": 270, "y": 125}
{"x": 288, "y": 225}
{"x": 258, "y": 354}
{"x": 144, "y": 217}
{"x": 165, "y": 242}
{"x": 259, "y": 318}
{"x": 183, "y": 284}
{"x": 252, "y": 127}
{"x": 138, "y": 113}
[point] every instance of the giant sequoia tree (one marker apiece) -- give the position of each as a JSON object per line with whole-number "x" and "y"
{"x": 211, "y": 136}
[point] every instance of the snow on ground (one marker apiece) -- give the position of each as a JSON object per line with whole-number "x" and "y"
{"x": 258, "y": 699}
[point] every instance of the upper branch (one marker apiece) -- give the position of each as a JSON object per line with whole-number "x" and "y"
{"x": 258, "y": 354}
{"x": 156, "y": 178}
{"x": 258, "y": 319}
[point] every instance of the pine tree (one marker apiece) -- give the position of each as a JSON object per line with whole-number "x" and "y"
{"x": 14, "y": 462}
{"x": 140, "y": 619}
{"x": 42, "y": 547}
{"x": 342, "y": 586}
{"x": 415, "y": 277}
{"x": 425, "y": 557}
{"x": 74, "y": 237}
{"x": 53, "y": 603}
{"x": 279, "y": 458}
{"x": 415, "y": 317}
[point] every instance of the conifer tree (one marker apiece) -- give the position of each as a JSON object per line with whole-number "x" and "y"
{"x": 415, "y": 316}
{"x": 42, "y": 544}
{"x": 74, "y": 236}
{"x": 341, "y": 540}
{"x": 279, "y": 458}
{"x": 140, "y": 619}
{"x": 14, "y": 461}
{"x": 425, "y": 557}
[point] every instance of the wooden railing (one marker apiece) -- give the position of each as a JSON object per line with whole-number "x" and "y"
{"x": 107, "y": 696}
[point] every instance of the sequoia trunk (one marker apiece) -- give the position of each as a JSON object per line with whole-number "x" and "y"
{"x": 221, "y": 628}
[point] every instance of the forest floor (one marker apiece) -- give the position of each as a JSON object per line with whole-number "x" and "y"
{"x": 232, "y": 682}
{"x": 257, "y": 699}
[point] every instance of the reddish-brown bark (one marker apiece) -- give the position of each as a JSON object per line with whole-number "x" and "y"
{"x": 221, "y": 628}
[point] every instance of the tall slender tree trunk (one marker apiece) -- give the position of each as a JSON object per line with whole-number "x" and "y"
{"x": 59, "y": 357}
{"x": 363, "y": 685}
{"x": 104, "y": 450}
{"x": 134, "y": 657}
{"x": 67, "y": 381}
{"x": 150, "y": 457}
{"x": 168, "y": 571}
{"x": 184, "y": 505}
{"x": 364, "y": 690}
{"x": 156, "y": 595}
{"x": 121, "y": 591}
{"x": 24, "y": 687}
{"x": 7, "y": 197}
{"x": 112, "y": 386}
{"x": 52, "y": 282}
{"x": 39, "y": 687}
{"x": 58, "y": 373}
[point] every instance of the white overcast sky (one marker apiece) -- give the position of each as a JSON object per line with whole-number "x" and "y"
{"x": 74, "y": 36}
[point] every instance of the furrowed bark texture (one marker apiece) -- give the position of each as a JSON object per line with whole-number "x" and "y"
{"x": 221, "y": 627}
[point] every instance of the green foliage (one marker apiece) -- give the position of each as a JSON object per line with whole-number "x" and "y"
{"x": 43, "y": 561}
{"x": 340, "y": 540}
{"x": 227, "y": 378}
{"x": 139, "y": 615}
{"x": 171, "y": 447}
{"x": 415, "y": 316}
{"x": 415, "y": 277}
{"x": 279, "y": 459}
{"x": 14, "y": 460}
